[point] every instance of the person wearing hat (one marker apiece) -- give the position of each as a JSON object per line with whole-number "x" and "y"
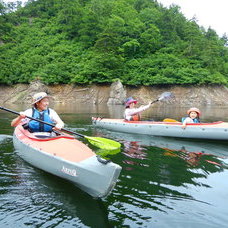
{"x": 193, "y": 117}
{"x": 40, "y": 110}
{"x": 131, "y": 113}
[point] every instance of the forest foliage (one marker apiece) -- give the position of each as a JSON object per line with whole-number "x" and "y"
{"x": 139, "y": 42}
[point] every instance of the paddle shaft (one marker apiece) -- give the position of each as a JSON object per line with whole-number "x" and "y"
{"x": 154, "y": 101}
{"x": 41, "y": 121}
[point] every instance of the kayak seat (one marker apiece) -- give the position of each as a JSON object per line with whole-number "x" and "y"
{"x": 44, "y": 135}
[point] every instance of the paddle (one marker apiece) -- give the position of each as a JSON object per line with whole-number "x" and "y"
{"x": 102, "y": 143}
{"x": 163, "y": 96}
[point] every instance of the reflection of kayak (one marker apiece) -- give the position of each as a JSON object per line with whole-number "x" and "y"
{"x": 66, "y": 157}
{"x": 72, "y": 202}
{"x": 216, "y": 130}
{"x": 174, "y": 144}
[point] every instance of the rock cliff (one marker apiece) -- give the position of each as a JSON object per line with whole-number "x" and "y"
{"x": 114, "y": 94}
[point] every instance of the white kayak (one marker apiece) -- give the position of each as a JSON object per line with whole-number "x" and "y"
{"x": 67, "y": 157}
{"x": 213, "y": 131}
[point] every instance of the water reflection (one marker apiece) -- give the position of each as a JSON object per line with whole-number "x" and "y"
{"x": 159, "y": 173}
{"x": 162, "y": 188}
{"x": 8, "y": 176}
{"x": 5, "y": 137}
{"x": 71, "y": 205}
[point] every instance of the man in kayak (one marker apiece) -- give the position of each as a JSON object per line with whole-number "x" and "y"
{"x": 193, "y": 117}
{"x": 131, "y": 113}
{"x": 39, "y": 111}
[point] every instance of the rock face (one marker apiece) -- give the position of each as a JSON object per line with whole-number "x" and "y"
{"x": 115, "y": 94}
{"x": 21, "y": 93}
{"x": 184, "y": 96}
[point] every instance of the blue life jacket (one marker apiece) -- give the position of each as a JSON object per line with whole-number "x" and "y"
{"x": 196, "y": 120}
{"x": 35, "y": 126}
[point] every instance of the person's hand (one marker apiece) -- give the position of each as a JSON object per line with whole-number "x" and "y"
{"x": 183, "y": 126}
{"x": 22, "y": 115}
{"x": 58, "y": 127}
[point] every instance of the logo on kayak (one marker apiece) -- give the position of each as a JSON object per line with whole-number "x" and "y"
{"x": 68, "y": 171}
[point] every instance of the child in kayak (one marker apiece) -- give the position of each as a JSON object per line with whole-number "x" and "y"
{"x": 131, "y": 113}
{"x": 193, "y": 117}
{"x": 39, "y": 111}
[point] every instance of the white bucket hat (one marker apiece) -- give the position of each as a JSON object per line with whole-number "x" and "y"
{"x": 38, "y": 97}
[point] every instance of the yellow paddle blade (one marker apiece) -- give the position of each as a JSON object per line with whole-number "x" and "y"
{"x": 103, "y": 153}
{"x": 103, "y": 143}
{"x": 170, "y": 120}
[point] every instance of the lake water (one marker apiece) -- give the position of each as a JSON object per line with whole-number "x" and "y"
{"x": 164, "y": 182}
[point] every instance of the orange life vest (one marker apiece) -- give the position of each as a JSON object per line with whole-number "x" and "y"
{"x": 135, "y": 117}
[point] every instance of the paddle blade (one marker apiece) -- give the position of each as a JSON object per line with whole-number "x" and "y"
{"x": 170, "y": 120}
{"x": 166, "y": 96}
{"x": 103, "y": 153}
{"x": 103, "y": 143}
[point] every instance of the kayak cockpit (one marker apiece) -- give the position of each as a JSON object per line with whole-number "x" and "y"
{"x": 44, "y": 136}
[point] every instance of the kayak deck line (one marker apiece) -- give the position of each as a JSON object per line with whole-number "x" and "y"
{"x": 214, "y": 124}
